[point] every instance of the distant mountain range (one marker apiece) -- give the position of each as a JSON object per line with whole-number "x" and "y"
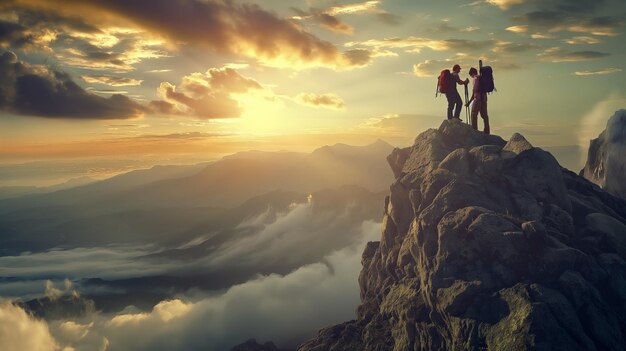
{"x": 8, "y": 192}
{"x": 167, "y": 200}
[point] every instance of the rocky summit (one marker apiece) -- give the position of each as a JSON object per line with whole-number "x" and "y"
{"x": 489, "y": 244}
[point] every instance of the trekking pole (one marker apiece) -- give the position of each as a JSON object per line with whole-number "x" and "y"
{"x": 466, "y": 107}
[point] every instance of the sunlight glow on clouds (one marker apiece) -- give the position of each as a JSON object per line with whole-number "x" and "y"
{"x": 598, "y": 72}
{"x": 321, "y": 100}
{"x": 205, "y": 95}
{"x": 556, "y": 54}
{"x": 111, "y": 80}
{"x": 505, "y": 4}
{"x": 20, "y": 331}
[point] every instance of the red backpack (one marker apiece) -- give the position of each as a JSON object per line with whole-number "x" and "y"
{"x": 444, "y": 82}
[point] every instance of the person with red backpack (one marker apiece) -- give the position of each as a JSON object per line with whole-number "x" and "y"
{"x": 446, "y": 84}
{"x": 479, "y": 97}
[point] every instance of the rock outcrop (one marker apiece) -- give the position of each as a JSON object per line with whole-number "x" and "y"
{"x": 606, "y": 158}
{"x": 488, "y": 244}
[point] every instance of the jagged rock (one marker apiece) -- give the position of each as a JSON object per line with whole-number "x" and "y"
{"x": 488, "y": 244}
{"x": 253, "y": 345}
{"x": 62, "y": 307}
{"x": 606, "y": 158}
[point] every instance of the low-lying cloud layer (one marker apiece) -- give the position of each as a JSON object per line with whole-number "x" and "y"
{"x": 20, "y": 331}
{"x": 285, "y": 309}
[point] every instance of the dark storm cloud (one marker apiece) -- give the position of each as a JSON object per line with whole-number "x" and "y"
{"x": 72, "y": 40}
{"x": 38, "y": 91}
{"x": 225, "y": 26}
{"x": 31, "y": 28}
{"x": 13, "y": 34}
{"x": 35, "y": 17}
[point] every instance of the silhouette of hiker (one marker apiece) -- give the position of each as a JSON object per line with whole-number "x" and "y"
{"x": 479, "y": 96}
{"x": 454, "y": 99}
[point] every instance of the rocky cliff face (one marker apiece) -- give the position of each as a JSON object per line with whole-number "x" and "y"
{"x": 606, "y": 159}
{"x": 488, "y": 244}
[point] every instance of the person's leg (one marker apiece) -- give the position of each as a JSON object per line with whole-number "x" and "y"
{"x": 474, "y": 115}
{"x": 450, "y": 105}
{"x": 485, "y": 116}
{"x": 459, "y": 105}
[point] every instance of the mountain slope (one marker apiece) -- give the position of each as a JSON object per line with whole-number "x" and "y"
{"x": 606, "y": 158}
{"x": 488, "y": 244}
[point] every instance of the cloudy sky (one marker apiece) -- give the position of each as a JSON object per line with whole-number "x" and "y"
{"x": 119, "y": 82}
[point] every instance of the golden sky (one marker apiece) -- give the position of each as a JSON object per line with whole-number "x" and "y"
{"x": 182, "y": 81}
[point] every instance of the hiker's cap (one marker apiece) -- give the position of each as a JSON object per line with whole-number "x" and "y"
{"x": 456, "y": 67}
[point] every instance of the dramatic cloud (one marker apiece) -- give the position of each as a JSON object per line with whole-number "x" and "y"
{"x": 224, "y": 26}
{"x": 517, "y": 29}
{"x": 321, "y": 100}
{"x": 90, "y": 52}
{"x": 38, "y": 91}
{"x": 598, "y": 72}
{"x": 566, "y": 6}
{"x": 332, "y": 23}
{"x": 328, "y": 17}
{"x": 511, "y": 48}
{"x": 429, "y": 68}
{"x": 505, "y": 4}
{"x": 558, "y": 21}
{"x": 33, "y": 29}
{"x": 415, "y": 44}
{"x": 541, "y": 36}
{"x": 582, "y": 40}
{"x": 367, "y": 6}
{"x": 325, "y": 19}
{"x": 205, "y": 95}
{"x": 75, "y": 42}
{"x": 556, "y": 54}
{"x": 111, "y": 80}
{"x": 20, "y": 331}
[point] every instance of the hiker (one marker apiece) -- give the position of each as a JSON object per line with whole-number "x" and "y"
{"x": 454, "y": 99}
{"x": 479, "y": 97}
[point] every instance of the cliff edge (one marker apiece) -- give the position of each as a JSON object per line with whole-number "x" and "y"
{"x": 606, "y": 158}
{"x": 489, "y": 244}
